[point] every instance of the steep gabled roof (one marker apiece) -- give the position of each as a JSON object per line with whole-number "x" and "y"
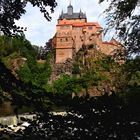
{"x": 73, "y": 16}
{"x": 112, "y": 42}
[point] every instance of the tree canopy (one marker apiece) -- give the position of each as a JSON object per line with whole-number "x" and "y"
{"x": 13, "y": 10}
{"x": 124, "y": 17}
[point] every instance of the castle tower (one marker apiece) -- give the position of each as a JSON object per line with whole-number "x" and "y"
{"x": 70, "y": 9}
{"x": 72, "y": 16}
{"x": 73, "y": 31}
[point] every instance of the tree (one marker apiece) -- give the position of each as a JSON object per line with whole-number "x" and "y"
{"x": 103, "y": 118}
{"x": 25, "y": 74}
{"x": 18, "y": 43}
{"x": 13, "y": 10}
{"x": 124, "y": 17}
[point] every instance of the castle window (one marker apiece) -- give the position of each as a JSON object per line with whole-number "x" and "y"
{"x": 66, "y": 39}
{"x": 64, "y": 27}
{"x": 90, "y": 27}
{"x": 61, "y": 40}
{"x": 77, "y": 28}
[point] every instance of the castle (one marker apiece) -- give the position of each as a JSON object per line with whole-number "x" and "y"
{"x": 73, "y": 31}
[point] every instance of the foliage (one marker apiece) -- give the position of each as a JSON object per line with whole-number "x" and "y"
{"x": 91, "y": 73}
{"x": 47, "y": 51}
{"x": 18, "y": 44}
{"x": 9, "y": 12}
{"x": 131, "y": 96}
{"x": 135, "y": 79}
{"x": 13, "y": 10}
{"x": 25, "y": 74}
{"x": 101, "y": 118}
{"x": 21, "y": 93}
{"x": 36, "y": 73}
{"x": 96, "y": 70}
{"x": 75, "y": 69}
{"x": 124, "y": 16}
{"x": 66, "y": 85}
{"x": 18, "y": 47}
{"x": 5, "y": 46}
{"x": 130, "y": 72}
{"x": 26, "y": 88}
{"x": 104, "y": 117}
{"x": 60, "y": 86}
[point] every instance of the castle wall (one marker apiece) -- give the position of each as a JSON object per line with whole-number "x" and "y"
{"x": 63, "y": 54}
{"x": 64, "y": 28}
{"x": 71, "y": 21}
{"x": 64, "y": 42}
{"x": 69, "y": 36}
{"x": 77, "y": 34}
{"x": 64, "y": 48}
{"x": 73, "y": 33}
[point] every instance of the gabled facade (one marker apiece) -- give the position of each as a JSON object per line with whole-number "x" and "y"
{"x": 73, "y": 31}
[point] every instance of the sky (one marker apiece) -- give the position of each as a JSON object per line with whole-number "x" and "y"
{"x": 39, "y": 30}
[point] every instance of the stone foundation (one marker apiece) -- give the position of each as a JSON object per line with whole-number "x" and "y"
{"x": 61, "y": 68}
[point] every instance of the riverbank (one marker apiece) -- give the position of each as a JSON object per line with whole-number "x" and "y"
{"x": 14, "y": 120}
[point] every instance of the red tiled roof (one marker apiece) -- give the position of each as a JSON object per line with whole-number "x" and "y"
{"x": 112, "y": 42}
{"x": 62, "y": 24}
{"x": 93, "y": 24}
{"x": 108, "y": 43}
{"x": 77, "y": 24}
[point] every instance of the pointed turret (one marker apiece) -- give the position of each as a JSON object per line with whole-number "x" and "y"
{"x": 70, "y": 14}
{"x": 70, "y": 9}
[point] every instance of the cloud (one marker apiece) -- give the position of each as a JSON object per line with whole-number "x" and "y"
{"x": 39, "y": 30}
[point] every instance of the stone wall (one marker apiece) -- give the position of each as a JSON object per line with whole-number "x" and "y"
{"x": 63, "y": 54}
{"x": 61, "y": 68}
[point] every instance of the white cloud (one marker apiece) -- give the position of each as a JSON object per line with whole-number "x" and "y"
{"x": 39, "y": 30}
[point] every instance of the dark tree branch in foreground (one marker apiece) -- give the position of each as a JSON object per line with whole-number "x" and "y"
{"x": 21, "y": 94}
{"x": 124, "y": 17}
{"x": 13, "y": 10}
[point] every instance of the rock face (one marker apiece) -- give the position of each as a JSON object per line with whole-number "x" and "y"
{"x": 62, "y": 68}
{"x": 16, "y": 63}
